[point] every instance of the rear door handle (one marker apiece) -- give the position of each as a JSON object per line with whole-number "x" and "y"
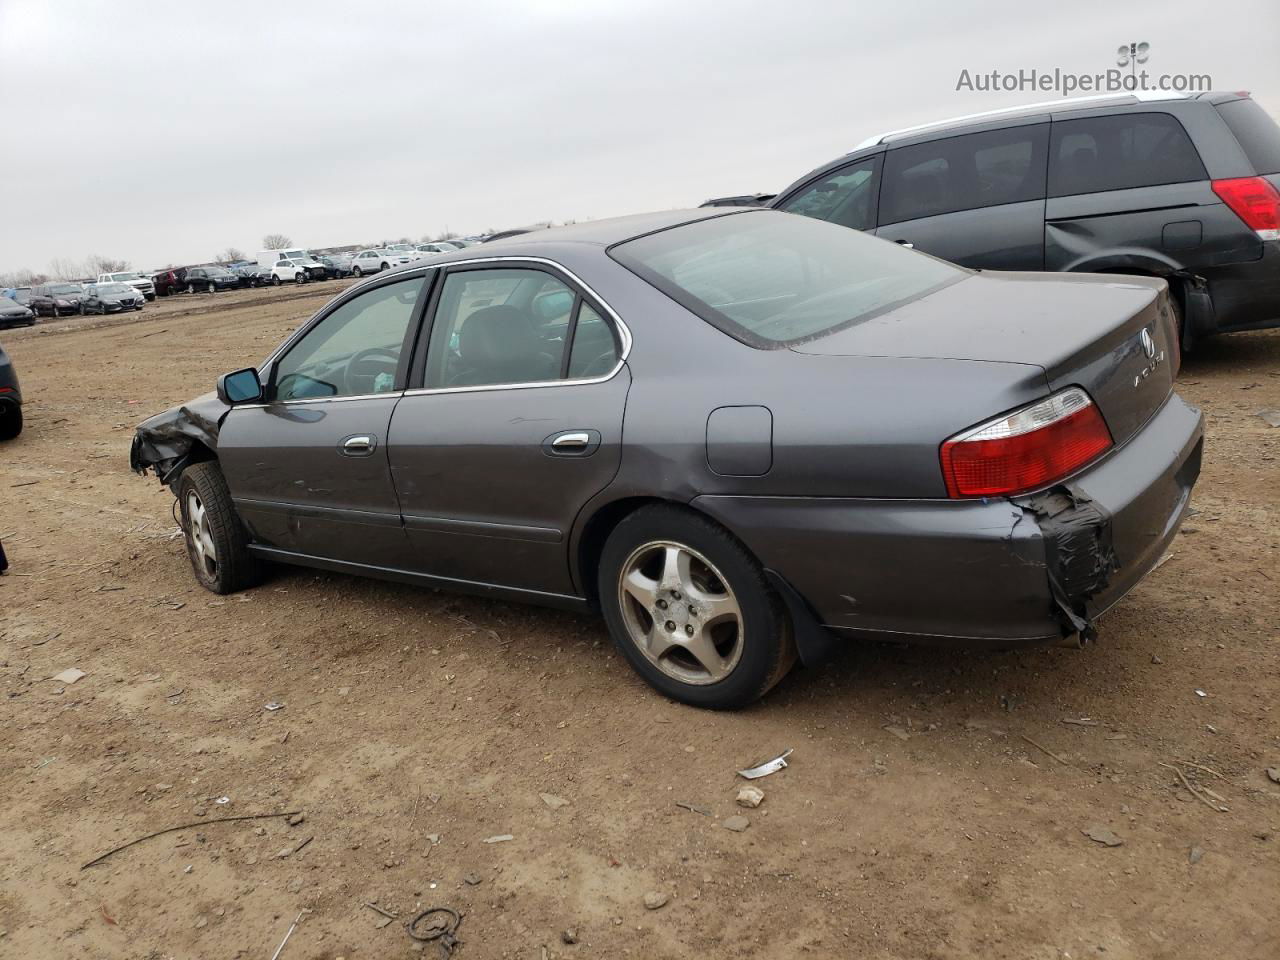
{"x": 577, "y": 440}
{"x": 361, "y": 445}
{"x": 572, "y": 443}
{"x": 906, "y": 243}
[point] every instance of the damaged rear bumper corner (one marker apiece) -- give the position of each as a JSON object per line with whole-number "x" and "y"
{"x": 992, "y": 574}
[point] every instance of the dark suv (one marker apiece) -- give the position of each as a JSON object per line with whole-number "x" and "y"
{"x": 56, "y": 299}
{"x": 208, "y": 280}
{"x": 1171, "y": 186}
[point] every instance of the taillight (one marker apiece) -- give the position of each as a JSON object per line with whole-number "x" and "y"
{"x": 1027, "y": 449}
{"x": 1255, "y": 201}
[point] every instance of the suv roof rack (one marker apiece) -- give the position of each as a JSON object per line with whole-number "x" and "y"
{"x": 1141, "y": 96}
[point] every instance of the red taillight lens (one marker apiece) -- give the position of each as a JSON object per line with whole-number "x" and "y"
{"x": 1027, "y": 449}
{"x": 1255, "y": 201}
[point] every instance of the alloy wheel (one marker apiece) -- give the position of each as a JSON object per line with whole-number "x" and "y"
{"x": 680, "y": 612}
{"x": 202, "y": 548}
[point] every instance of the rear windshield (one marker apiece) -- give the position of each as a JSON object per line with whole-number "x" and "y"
{"x": 1258, "y": 134}
{"x": 777, "y": 279}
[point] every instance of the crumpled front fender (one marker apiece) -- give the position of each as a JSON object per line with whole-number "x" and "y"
{"x": 165, "y": 443}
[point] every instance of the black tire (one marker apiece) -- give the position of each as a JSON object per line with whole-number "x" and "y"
{"x": 356, "y": 272}
{"x": 300, "y": 277}
{"x": 275, "y": 280}
{"x": 385, "y": 266}
{"x": 191, "y": 288}
{"x": 138, "y": 307}
{"x": 82, "y": 309}
{"x": 10, "y": 422}
{"x": 213, "y": 288}
{"x": 767, "y": 647}
{"x": 234, "y": 568}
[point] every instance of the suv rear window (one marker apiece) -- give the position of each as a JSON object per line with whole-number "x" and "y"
{"x": 774, "y": 279}
{"x": 1258, "y": 134}
{"x": 1119, "y": 152}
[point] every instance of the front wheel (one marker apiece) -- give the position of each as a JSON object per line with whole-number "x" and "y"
{"x": 213, "y": 288}
{"x": 217, "y": 543}
{"x": 385, "y": 266}
{"x": 299, "y": 278}
{"x": 275, "y": 280}
{"x": 691, "y": 610}
{"x": 355, "y": 272}
{"x": 191, "y": 288}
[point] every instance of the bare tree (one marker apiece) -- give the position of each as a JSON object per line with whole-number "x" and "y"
{"x": 64, "y": 268}
{"x": 99, "y": 264}
{"x": 235, "y": 253}
{"x": 22, "y": 278}
{"x": 276, "y": 241}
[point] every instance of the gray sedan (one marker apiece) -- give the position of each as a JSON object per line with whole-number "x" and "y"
{"x": 744, "y": 436}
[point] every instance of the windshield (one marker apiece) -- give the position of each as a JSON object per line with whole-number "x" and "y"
{"x": 113, "y": 288}
{"x": 216, "y": 272}
{"x": 297, "y": 255}
{"x": 123, "y": 277}
{"x": 62, "y": 289}
{"x": 775, "y": 279}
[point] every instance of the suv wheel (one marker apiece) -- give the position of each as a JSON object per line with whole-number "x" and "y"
{"x": 213, "y": 288}
{"x": 300, "y": 277}
{"x": 691, "y": 610}
{"x": 191, "y": 288}
{"x": 385, "y": 266}
{"x": 275, "y": 280}
{"x": 355, "y": 272}
{"x": 10, "y": 422}
{"x": 217, "y": 543}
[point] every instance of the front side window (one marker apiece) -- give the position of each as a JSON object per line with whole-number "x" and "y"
{"x": 512, "y": 326}
{"x": 771, "y": 280}
{"x": 964, "y": 173}
{"x": 355, "y": 350}
{"x": 1120, "y": 152}
{"x": 846, "y": 196}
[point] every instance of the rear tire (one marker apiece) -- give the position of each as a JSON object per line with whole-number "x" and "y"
{"x": 213, "y": 288}
{"x": 10, "y": 422}
{"x": 673, "y": 581}
{"x": 355, "y": 272}
{"x": 217, "y": 543}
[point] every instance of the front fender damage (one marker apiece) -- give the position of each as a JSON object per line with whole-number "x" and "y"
{"x": 167, "y": 442}
{"x": 1079, "y": 556}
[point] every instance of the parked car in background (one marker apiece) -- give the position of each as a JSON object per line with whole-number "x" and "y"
{"x": 21, "y": 294}
{"x": 246, "y": 272}
{"x": 375, "y": 260}
{"x": 15, "y": 314}
{"x": 168, "y": 282}
{"x": 313, "y": 269}
{"x": 138, "y": 281}
{"x": 404, "y": 248}
{"x": 336, "y": 264}
{"x": 10, "y": 399}
{"x": 434, "y": 248}
{"x": 1184, "y": 188}
{"x": 1007, "y": 446}
{"x": 56, "y": 299}
{"x": 282, "y": 270}
{"x": 209, "y": 280}
{"x": 111, "y": 298}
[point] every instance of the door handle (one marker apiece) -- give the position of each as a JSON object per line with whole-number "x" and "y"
{"x": 361, "y": 445}
{"x": 906, "y": 243}
{"x": 577, "y": 440}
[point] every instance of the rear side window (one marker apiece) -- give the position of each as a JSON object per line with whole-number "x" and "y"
{"x": 1120, "y": 152}
{"x": 1258, "y": 134}
{"x": 964, "y": 173}
{"x": 846, "y": 196}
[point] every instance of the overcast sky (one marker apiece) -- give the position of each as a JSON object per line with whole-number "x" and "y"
{"x": 164, "y": 132}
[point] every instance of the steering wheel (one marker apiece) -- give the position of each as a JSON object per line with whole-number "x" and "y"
{"x": 360, "y": 382}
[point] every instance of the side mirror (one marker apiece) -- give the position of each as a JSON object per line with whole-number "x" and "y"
{"x": 242, "y": 386}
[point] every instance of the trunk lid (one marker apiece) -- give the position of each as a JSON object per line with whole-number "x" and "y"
{"x": 1080, "y": 329}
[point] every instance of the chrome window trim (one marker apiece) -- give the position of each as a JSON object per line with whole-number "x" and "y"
{"x": 624, "y": 334}
{"x": 289, "y": 403}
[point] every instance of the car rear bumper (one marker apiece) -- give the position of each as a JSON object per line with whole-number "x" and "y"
{"x": 974, "y": 573}
{"x": 1246, "y": 296}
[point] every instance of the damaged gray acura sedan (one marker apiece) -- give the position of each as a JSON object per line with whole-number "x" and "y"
{"x": 742, "y": 435}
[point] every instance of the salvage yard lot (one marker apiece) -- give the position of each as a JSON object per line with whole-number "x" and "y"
{"x": 936, "y": 805}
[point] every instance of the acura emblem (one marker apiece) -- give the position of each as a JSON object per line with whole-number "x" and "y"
{"x": 1148, "y": 344}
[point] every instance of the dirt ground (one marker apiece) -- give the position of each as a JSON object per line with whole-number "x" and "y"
{"x": 936, "y": 805}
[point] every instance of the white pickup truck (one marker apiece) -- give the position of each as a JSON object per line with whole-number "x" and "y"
{"x": 138, "y": 281}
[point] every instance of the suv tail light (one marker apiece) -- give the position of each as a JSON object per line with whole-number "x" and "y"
{"x": 1255, "y": 201}
{"x": 1027, "y": 449}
